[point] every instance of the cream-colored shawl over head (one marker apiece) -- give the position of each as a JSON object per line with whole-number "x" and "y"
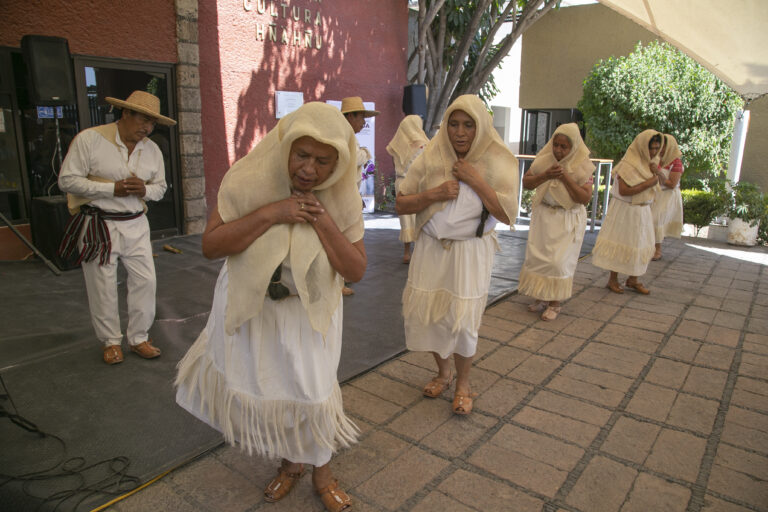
{"x": 488, "y": 154}
{"x": 671, "y": 151}
{"x": 634, "y": 167}
{"x": 576, "y": 163}
{"x": 261, "y": 178}
{"x": 408, "y": 138}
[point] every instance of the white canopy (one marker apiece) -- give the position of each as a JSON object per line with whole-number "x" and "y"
{"x": 729, "y": 38}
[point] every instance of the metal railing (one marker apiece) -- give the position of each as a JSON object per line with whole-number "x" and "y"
{"x": 600, "y": 164}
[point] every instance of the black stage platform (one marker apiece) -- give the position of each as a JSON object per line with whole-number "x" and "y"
{"x": 114, "y": 422}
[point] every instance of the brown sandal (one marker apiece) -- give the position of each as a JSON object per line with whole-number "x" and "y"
{"x": 637, "y": 286}
{"x": 436, "y": 386}
{"x": 334, "y": 499}
{"x": 279, "y": 487}
{"x": 113, "y": 354}
{"x": 146, "y": 350}
{"x": 614, "y": 287}
{"x": 463, "y": 402}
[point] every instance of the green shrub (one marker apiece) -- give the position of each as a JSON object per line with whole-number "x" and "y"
{"x": 748, "y": 203}
{"x": 659, "y": 87}
{"x": 700, "y": 207}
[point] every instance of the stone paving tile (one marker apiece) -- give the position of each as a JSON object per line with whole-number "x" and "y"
{"x": 652, "y": 401}
{"x": 754, "y": 365}
{"x": 363, "y": 404}
{"x": 758, "y": 325}
{"x": 529, "y": 459}
{"x": 653, "y": 493}
{"x": 438, "y": 502}
{"x": 677, "y": 454}
{"x": 684, "y": 349}
{"x": 693, "y": 413}
{"x": 691, "y": 329}
{"x": 363, "y": 460}
{"x": 735, "y": 306}
{"x": 422, "y": 418}
{"x": 700, "y": 314}
{"x": 502, "y": 324}
{"x": 741, "y": 295}
{"x": 729, "y": 319}
{"x": 213, "y": 485}
{"x": 421, "y": 359}
{"x": 723, "y": 336}
{"x": 592, "y": 385}
{"x": 249, "y": 466}
{"x": 714, "y": 291}
{"x": 576, "y": 431}
{"x": 746, "y": 429}
{"x": 531, "y": 339}
{"x": 668, "y": 373}
{"x": 158, "y": 496}
{"x": 751, "y": 394}
{"x": 600, "y": 311}
{"x": 714, "y": 356}
{"x": 409, "y": 373}
{"x": 602, "y": 487}
{"x": 584, "y": 327}
{"x": 644, "y": 320}
{"x": 707, "y": 301}
{"x": 494, "y": 333}
{"x": 503, "y": 360}
{"x": 654, "y": 305}
{"x": 501, "y": 397}
{"x": 632, "y": 338}
{"x": 738, "y": 485}
{"x": 482, "y": 493}
{"x": 402, "y": 478}
{"x": 612, "y": 358}
{"x": 706, "y": 382}
{"x": 483, "y": 347}
{"x": 757, "y": 343}
{"x": 535, "y": 369}
{"x": 453, "y": 437}
{"x": 387, "y": 389}
{"x": 571, "y": 408}
{"x": 563, "y": 321}
{"x": 561, "y": 346}
{"x": 713, "y": 504}
{"x": 631, "y": 439}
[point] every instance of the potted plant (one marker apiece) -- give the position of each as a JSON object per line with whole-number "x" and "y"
{"x": 744, "y": 213}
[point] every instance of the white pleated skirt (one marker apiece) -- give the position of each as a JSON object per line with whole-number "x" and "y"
{"x": 667, "y": 212}
{"x": 552, "y": 252}
{"x": 446, "y": 293}
{"x": 626, "y": 240}
{"x": 271, "y": 387}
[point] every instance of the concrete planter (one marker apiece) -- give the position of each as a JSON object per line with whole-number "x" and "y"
{"x": 741, "y": 233}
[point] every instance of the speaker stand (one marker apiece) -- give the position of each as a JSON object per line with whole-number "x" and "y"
{"x": 30, "y": 245}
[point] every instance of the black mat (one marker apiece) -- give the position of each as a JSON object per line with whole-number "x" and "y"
{"x": 123, "y": 419}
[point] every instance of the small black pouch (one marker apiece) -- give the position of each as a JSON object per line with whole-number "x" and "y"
{"x": 481, "y": 227}
{"x": 277, "y": 290}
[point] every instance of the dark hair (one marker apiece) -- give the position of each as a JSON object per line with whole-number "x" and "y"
{"x": 655, "y": 138}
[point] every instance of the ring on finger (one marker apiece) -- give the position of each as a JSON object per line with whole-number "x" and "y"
{"x": 301, "y": 206}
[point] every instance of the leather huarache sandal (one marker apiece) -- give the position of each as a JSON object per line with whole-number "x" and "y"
{"x": 279, "y": 487}
{"x": 113, "y": 354}
{"x": 550, "y": 313}
{"x": 334, "y": 499}
{"x": 637, "y": 286}
{"x": 614, "y": 287}
{"x": 436, "y": 386}
{"x": 537, "y": 306}
{"x": 146, "y": 350}
{"x": 463, "y": 402}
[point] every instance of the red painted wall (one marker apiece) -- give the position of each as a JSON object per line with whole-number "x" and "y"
{"x": 140, "y": 29}
{"x": 363, "y": 53}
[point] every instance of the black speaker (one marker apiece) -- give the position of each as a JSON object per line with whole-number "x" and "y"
{"x": 49, "y": 66}
{"x": 47, "y": 223}
{"x": 415, "y": 100}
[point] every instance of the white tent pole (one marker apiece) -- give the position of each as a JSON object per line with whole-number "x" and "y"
{"x": 740, "y": 128}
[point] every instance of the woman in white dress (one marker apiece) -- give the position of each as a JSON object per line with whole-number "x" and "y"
{"x": 465, "y": 179}
{"x": 562, "y": 177}
{"x": 263, "y": 371}
{"x": 408, "y": 143}
{"x": 625, "y": 243}
{"x": 667, "y": 207}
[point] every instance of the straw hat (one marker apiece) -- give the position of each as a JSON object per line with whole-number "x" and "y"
{"x": 355, "y": 104}
{"x": 144, "y": 103}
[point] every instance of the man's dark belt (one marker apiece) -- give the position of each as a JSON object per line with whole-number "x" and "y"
{"x": 96, "y": 240}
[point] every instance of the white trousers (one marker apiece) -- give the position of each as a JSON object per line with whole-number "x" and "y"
{"x": 131, "y": 245}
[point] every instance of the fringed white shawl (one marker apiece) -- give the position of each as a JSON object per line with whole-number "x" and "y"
{"x": 576, "y": 163}
{"x": 634, "y": 167}
{"x": 260, "y": 178}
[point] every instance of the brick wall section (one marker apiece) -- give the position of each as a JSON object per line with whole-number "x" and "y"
{"x": 190, "y": 122}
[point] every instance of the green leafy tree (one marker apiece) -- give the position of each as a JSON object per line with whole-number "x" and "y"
{"x": 455, "y": 50}
{"x": 657, "y": 86}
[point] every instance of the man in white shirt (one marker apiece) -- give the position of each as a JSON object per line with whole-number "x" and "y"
{"x": 109, "y": 172}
